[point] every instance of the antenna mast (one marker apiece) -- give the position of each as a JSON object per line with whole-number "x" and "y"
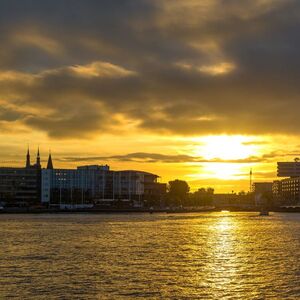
{"x": 250, "y": 175}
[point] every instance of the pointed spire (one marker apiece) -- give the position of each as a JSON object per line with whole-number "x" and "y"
{"x": 38, "y": 159}
{"x": 50, "y": 164}
{"x": 28, "y": 158}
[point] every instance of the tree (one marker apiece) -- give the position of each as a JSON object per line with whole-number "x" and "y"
{"x": 178, "y": 192}
{"x": 203, "y": 197}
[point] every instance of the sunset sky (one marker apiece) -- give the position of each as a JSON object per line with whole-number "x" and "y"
{"x": 197, "y": 90}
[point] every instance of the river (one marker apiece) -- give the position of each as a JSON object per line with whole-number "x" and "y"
{"x": 216, "y": 255}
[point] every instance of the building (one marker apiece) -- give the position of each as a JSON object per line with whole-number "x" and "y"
{"x": 262, "y": 187}
{"x": 21, "y": 186}
{"x": 75, "y": 186}
{"x": 277, "y": 193}
{"x": 233, "y": 200}
{"x": 91, "y": 184}
{"x": 290, "y": 188}
{"x": 99, "y": 185}
{"x": 262, "y": 192}
{"x": 286, "y": 191}
{"x": 288, "y": 169}
{"x": 136, "y": 185}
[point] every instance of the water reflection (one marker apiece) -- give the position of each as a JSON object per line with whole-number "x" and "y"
{"x": 208, "y": 256}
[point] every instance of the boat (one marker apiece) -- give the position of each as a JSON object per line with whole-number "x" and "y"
{"x": 264, "y": 213}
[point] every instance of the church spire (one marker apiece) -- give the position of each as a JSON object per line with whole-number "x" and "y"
{"x": 38, "y": 159}
{"x": 28, "y": 158}
{"x": 50, "y": 164}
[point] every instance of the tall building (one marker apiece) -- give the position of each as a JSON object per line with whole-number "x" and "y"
{"x": 290, "y": 191}
{"x": 21, "y": 186}
{"x": 286, "y": 192}
{"x": 288, "y": 169}
{"x": 277, "y": 192}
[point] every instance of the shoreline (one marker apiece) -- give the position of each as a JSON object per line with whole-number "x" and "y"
{"x": 133, "y": 211}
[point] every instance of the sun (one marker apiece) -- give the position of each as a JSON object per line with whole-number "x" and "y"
{"x": 225, "y": 147}
{"x": 225, "y": 155}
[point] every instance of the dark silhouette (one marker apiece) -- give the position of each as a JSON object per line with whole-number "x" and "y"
{"x": 178, "y": 192}
{"x": 50, "y": 164}
{"x": 202, "y": 197}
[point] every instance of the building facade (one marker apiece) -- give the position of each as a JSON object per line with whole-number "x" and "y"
{"x": 288, "y": 169}
{"x": 286, "y": 191}
{"x": 75, "y": 186}
{"x": 91, "y": 184}
{"x": 290, "y": 188}
{"x": 99, "y": 185}
{"x": 21, "y": 186}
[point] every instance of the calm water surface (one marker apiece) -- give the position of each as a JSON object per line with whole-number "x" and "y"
{"x": 142, "y": 256}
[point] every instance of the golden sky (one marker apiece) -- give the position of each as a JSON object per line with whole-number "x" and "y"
{"x": 197, "y": 90}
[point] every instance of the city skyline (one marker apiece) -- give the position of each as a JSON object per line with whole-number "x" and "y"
{"x": 197, "y": 90}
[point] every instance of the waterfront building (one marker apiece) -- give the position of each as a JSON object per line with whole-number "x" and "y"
{"x": 286, "y": 191}
{"x": 91, "y": 184}
{"x": 99, "y": 185}
{"x": 288, "y": 169}
{"x": 232, "y": 200}
{"x": 290, "y": 194}
{"x": 277, "y": 192}
{"x": 262, "y": 187}
{"x": 262, "y": 192}
{"x": 21, "y": 186}
{"x": 75, "y": 186}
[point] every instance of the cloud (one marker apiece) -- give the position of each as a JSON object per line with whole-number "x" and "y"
{"x": 101, "y": 69}
{"x": 185, "y": 68}
{"x": 144, "y": 157}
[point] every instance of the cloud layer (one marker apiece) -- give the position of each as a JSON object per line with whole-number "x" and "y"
{"x": 81, "y": 68}
{"x": 145, "y": 157}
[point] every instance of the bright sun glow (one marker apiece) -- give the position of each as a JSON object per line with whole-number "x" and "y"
{"x": 223, "y": 171}
{"x": 225, "y": 147}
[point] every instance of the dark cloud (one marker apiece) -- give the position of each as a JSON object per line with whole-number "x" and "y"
{"x": 190, "y": 67}
{"x": 157, "y": 157}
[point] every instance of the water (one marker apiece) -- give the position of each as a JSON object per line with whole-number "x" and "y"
{"x": 142, "y": 256}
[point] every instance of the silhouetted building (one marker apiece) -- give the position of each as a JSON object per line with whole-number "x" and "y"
{"x": 21, "y": 186}
{"x": 49, "y": 163}
{"x": 290, "y": 191}
{"x": 262, "y": 192}
{"x": 84, "y": 185}
{"x": 286, "y": 192}
{"x": 28, "y": 165}
{"x": 288, "y": 169}
{"x": 262, "y": 187}
{"x": 138, "y": 186}
{"x": 232, "y": 200}
{"x": 277, "y": 193}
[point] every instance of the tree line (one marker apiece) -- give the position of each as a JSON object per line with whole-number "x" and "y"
{"x": 179, "y": 195}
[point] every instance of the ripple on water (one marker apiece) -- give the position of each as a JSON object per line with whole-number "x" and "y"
{"x": 158, "y": 256}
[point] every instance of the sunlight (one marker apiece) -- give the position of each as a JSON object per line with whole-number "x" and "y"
{"x": 225, "y": 147}
{"x": 222, "y": 171}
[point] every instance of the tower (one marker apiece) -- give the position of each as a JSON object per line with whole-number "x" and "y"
{"x": 50, "y": 164}
{"x": 38, "y": 159}
{"x": 28, "y": 159}
{"x": 250, "y": 175}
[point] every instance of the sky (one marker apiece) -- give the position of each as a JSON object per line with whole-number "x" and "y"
{"x": 197, "y": 90}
